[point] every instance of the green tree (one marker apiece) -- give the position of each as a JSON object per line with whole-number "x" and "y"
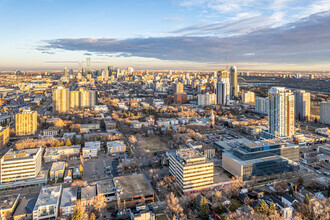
{"x": 68, "y": 142}
{"x": 291, "y": 190}
{"x": 262, "y": 207}
{"x": 204, "y": 208}
{"x": 77, "y": 215}
{"x": 83, "y": 140}
{"x": 272, "y": 209}
{"x": 306, "y": 199}
{"x": 92, "y": 216}
{"x": 218, "y": 208}
{"x": 57, "y": 144}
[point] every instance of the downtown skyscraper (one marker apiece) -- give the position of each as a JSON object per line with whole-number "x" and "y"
{"x": 223, "y": 88}
{"x": 233, "y": 82}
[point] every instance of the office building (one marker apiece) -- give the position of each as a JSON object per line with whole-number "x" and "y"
{"x": 4, "y": 135}
{"x": 48, "y": 203}
{"x": 281, "y": 120}
{"x": 207, "y": 99}
{"x": 302, "y": 100}
{"x": 60, "y": 100}
{"x": 26, "y": 122}
{"x": 248, "y": 97}
{"x": 88, "y": 65}
{"x": 178, "y": 87}
{"x": 223, "y": 87}
{"x": 192, "y": 171}
{"x": 248, "y": 158}
{"x": 325, "y": 112}
{"x": 261, "y": 105}
{"x": 20, "y": 165}
{"x": 233, "y": 82}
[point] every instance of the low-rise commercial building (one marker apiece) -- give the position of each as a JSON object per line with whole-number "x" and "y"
{"x": 57, "y": 170}
{"x": 68, "y": 201}
{"x": 133, "y": 190}
{"x": 8, "y": 204}
{"x": 61, "y": 153}
{"x": 192, "y": 171}
{"x": 116, "y": 146}
{"x": 48, "y": 202}
{"x": 24, "y": 209}
{"x": 87, "y": 195}
{"x": 106, "y": 188}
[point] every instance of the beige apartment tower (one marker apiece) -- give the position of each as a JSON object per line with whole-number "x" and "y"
{"x": 26, "y": 122}
{"x": 192, "y": 171}
{"x": 178, "y": 87}
{"x": 74, "y": 99}
{"x": 302, "y": 101}
{"x": 281, "y": 116}
{"x": 60, "y": 100}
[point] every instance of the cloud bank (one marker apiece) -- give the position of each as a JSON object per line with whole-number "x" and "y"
{"x": 304, "y": 41}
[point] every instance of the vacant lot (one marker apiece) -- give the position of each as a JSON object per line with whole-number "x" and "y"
{"x": 155, "y": 144}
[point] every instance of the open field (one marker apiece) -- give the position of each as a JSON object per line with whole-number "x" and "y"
{"x": 155, "y": 144}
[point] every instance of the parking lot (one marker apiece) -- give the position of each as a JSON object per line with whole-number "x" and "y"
{"x": 95, "y": 168}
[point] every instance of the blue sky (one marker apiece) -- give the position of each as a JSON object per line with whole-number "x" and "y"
{"x": 169, "y": 34}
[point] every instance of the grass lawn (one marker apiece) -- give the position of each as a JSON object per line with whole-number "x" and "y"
{"x": 155, "y": 144}
{"x": 235, "y": 204}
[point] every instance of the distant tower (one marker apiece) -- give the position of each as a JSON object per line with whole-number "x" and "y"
{"x": 88, "y": 65}
{"x": 233, "y": 82}
{"x": 80, "y": 69}
{"x": 223, "y": 88}
{"x": 65, "y": 71}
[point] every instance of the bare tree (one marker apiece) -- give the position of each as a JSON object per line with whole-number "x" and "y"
{"x": 172, "y": 205}
{"x": 79, "y": 183}
{"x": 99, "y": 202}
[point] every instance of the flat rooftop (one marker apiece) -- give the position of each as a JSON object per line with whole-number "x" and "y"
{"x": 56, "y": 166}
{"x": 105, "y": 186}
{"x": 48, "y": 196}
{"x": 69, "y": 196}
{"x": 252, "y": 161}
{"x": 88, "y": 192}
{"x": 21, "y": 154}
{"x": 7, "y": 201}
{"x": 132, "y": 185}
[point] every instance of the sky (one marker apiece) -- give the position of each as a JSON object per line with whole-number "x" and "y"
{"x": 165, "y": 34}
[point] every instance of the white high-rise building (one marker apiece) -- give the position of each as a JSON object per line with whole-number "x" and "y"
{"x": 281, "y": 118}
{"x": 325, "y": 112}
{"x": 60, "y": 100}
{"x": 261, "y": 105}
{"x": 206, "y": 99}
{"x": 223, "y": 92}
{"x": 302, "y": 104}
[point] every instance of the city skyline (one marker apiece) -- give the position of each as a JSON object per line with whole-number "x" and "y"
{"x": 178, "y": 34}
